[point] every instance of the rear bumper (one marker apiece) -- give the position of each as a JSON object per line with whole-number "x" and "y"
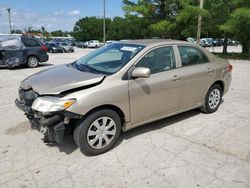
{"x": 227, "y": 83}
{"x": 44, "y": 58}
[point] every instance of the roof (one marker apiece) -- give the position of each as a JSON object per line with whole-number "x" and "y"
{"x": 148, "y": 42}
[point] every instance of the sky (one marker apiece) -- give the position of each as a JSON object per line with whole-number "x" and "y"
{"x": 53, "y": 14}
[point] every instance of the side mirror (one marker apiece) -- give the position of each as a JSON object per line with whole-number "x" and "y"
{"x": 141, "y": 72}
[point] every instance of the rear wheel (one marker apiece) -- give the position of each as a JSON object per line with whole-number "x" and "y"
{"x": 98, "y": 132}
{"x": 32, "y": 62}
{"x": 213, "y": 99}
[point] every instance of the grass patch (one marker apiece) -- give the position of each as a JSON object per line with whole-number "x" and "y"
{"x": 245, "y": 56}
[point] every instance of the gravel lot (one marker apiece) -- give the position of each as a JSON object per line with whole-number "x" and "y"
{"x": 188, "y": 150}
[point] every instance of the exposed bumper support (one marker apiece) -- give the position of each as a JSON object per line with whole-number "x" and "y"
{"x": 51, "y": 125}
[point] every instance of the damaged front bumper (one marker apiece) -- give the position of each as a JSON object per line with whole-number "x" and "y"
{"x": 52, "y": 125}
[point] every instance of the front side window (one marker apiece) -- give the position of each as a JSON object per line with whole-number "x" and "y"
{"x": 110, "y": 58}
{"x": 158, "y": 60}
{"x": 191, "y": 56}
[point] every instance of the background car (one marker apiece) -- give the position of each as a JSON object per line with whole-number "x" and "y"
{"x": 53, "y": 47}
{"x": 94, "y": 44}
{"x": 81, "y": 44}
{"x": 191, "y": 39}
{"x": 66, "y": 47}
{"x": 22, "y": 51}
{"x": 205, "y": 43}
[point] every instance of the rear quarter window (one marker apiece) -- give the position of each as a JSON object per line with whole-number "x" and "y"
{"x": 191, "y": 56}
{"x": 30, "y": 42}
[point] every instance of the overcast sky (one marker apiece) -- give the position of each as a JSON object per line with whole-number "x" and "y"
{"x": 53, "y": 14}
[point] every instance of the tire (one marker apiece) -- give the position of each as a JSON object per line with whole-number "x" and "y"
{"x": 213, "y": 99}
{"x": 32, "y": 62}
{"x": 94, "y": 141}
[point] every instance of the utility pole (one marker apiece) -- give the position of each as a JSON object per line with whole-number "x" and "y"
{"x": 199, "y": 24}
{"x": 8, "y": 9}
{"x": 104, "y": 23}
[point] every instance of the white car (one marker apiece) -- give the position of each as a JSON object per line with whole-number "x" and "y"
{"x": 94, "y": 44}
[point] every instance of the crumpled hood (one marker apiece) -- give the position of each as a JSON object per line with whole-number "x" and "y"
{"x": 60, "y": 79}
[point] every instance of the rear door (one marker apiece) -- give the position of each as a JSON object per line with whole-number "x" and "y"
{"x": 159, "y": 94}
{"x": 196, "y": 73}
{"x": 32, "y": 47}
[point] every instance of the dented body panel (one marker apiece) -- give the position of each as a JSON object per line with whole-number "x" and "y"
{"x": 14, "y": 53}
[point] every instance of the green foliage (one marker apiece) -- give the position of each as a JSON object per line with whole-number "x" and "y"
{"x": 161, "y": 28}
{"x": 58, "y": 33}
{"x": 141, "y": 8}
{"x": 132, "y": 27}
{"x": 90, "y": 28}
{"x": 239, "y": 26}
{"x": 176, "y": 19}
{"x": 186, "y": 21}
{"x": 16, "y": 31}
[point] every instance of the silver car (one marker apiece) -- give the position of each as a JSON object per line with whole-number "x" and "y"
{"x": 66, "y": 47}
{"x": 121, "y": 86}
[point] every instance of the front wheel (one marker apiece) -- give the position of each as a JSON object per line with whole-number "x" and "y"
{"x": 32, "y": 62}
{"x": 213, "y": 99}
{"x": 98, "y": 132}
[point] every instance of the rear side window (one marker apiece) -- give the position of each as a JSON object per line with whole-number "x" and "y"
{"x": 158, "y": 60}
{"x": 191, "y": 56}
{"x": 30, "y": 42}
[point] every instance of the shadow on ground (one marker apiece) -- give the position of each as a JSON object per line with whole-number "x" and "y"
{"x": 69, "y": 145}
{"x": 157, "y": 125}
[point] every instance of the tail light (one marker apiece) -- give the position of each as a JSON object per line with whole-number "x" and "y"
{"x": 229, "y": 68}
{"x": 44, "y": 48}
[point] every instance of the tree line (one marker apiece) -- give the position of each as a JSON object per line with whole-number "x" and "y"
{"x": 175, "y": 19}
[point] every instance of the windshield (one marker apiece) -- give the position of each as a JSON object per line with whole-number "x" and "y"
{"x": 110, "y": 58}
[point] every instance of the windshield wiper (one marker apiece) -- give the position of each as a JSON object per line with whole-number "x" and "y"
{"x": 89, "y": 68}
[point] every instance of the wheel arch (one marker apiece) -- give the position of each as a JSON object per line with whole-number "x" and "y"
{"x": 220, "y": 83}
{"x": 111, "y": 107}
{"x": 31, "y": 55}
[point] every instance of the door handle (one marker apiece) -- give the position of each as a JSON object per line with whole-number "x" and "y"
{"x": 176, "y": 78}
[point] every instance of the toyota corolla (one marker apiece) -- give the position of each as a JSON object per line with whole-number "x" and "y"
{"x": 121, "y": 86}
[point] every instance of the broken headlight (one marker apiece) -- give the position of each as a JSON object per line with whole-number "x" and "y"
{"x": 51, "y": 104}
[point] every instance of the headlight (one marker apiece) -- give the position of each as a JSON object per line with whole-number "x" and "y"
{"x": 51, "y": 104}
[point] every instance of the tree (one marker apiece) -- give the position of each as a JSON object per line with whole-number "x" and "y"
{"x": 186, "y": 20}
{"x": 219, "y": 13}
{"x": 58, "y": 33}
{"x": 119, "y": 29}
{"x": 161, "y": 28}
{"x": 16, "y": 31}
{"x": 239, "y": 26}
{"x": 90, "y": 28}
